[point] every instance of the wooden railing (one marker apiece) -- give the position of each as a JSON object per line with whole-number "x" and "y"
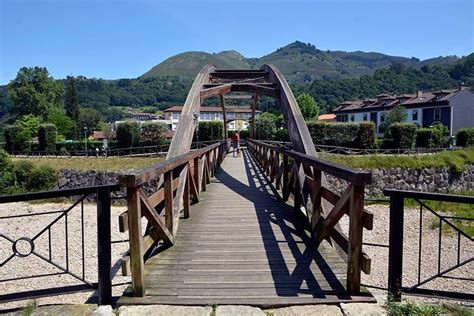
{"x": 300, "y": 176}
{"x": 163, "y": 208}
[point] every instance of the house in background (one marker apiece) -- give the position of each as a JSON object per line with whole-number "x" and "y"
{"x": 237, "y": 117}
{"x": 453, "y": 108}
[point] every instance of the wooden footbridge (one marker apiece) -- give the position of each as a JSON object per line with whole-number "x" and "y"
{"x": 261, "y": 229}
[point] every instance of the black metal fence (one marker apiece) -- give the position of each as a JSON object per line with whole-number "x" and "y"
{"x": 36, "y": 247}
{"x": 444, "y": 262}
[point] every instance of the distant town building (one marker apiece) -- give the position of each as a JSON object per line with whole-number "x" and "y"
{"x": 142, "y": 116}
{"x": 453, "y": 108}
{"x": 237, "y": 117}
{"x": 327, "y": 117}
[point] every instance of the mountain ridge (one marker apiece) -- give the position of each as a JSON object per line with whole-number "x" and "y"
{"x": 299, "y": 62}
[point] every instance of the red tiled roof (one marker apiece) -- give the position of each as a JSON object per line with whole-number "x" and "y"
{"x": 327, "y": 117}
{"x": 234, "y": 109}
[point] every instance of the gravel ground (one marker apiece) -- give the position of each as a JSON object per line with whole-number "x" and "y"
{"x": 31, "y": 225}
{"x": 32, "y": 265}
{"x": 429, "y": 254}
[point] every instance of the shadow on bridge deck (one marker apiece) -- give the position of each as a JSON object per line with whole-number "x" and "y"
{"x": 243, "y": 245}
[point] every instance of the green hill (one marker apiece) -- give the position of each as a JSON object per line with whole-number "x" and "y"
{"x": 299, "y": 62}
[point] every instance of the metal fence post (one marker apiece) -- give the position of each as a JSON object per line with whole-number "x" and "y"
{"x": 395, "y": 253}
{"x": 104, "y": 247}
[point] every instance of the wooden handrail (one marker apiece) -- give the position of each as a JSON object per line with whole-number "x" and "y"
{"x": 312, "y": 191}
{"x": 163, "y": 208}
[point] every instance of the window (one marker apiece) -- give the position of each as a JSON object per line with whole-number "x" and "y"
{"x": 352, "y": 117}
{"x": 342, "y": 118}
{"x": 175, "y": 115}
{"x": 414, "y": 115}
{"x": 437, "y": 114}
{"x": 382, "y": 117}
{"x": 364, "y": 117}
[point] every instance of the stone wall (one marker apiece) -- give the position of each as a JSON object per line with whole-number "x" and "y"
{"x": 427, "y": 180}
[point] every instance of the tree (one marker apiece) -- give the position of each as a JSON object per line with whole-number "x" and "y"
{"x": 71, "y": 100}
{"x": 29, "y": 123}
{"x": 309, "y": 108}
{"x": 397, "y": 115}
{"x": 128, "y": 134}
{"x": 34, "y": 92}
{"x": 64, "y": 124}
{"x": 89, "y": 118}
{"x": 266, "y": 126}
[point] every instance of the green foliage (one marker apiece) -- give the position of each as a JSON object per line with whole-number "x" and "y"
{"x": 47, "y": 137}
{"x": 409, "y": 309}
{"x": 439, "y": 135}
{"x": 465, "y": 137}
{"x": 16, "y": 138}
{"x": 71, "y": 100}
{"x": 423, "y": 137}
{"x": 22, "y": 171}
{"x": 89, "y": 118}
{"x": 29, "y": 123}
{"x": 154, "y": 133}
{"x": 308, "y": 106}
{"x": 355, "y": 135}
{"x": 41, "y": 178}
{"x": 128, "y": 134}
{"x": 34, "y": 92}
{"x": 456, "y": 160}
{"x": 64, "y": 124}
{"x": 396, "y": 115}
{"x": 265, "y": 126}
{"x": 282, "y": 135}
{"x": 403, "y": 135}
{"x": 5, "y": 161}
{"x": 210, "y": 130}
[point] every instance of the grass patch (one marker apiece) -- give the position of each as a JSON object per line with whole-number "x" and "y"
{"x": 453, "y": 209}
{"x": 29, "y": 309}
{"x": 408, "y": 308}
{"x": 454, "y": 159}
{"x": 93, "y": 163}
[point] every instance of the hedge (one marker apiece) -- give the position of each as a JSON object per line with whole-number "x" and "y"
{"x": 403, "y": 135}
{"x": 355, "y": 135}
{"x": 210, "y": 130}
{"x": 465, "y": 137}
{"x": 16, "y": 138}
{"x": 47, "y": 137}
{"x": 423, "y": 137}
{"x": 282, "y": 135}
{"x": 128, "y": 134}
{"x": 154, "y": 133}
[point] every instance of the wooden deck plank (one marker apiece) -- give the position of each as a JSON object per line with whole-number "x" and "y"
{"x": 243, "y": 245}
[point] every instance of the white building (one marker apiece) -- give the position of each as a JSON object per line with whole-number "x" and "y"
{"x": 237, "y": 117}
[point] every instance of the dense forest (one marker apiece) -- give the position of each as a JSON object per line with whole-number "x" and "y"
{"x": 153, "y": 94}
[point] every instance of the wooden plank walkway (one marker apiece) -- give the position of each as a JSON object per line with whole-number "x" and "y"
{"x": 242, "y": 245}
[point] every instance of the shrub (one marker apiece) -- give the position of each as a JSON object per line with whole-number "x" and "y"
{"x": 47, "y": 137}
{"x": 5, "y": 161}
{"x": 210, "y": 130}
{"x": 282, "y": 135}
{"x": 265, "y": 126}
{"x": 366, "y": 135}
{"x": 403, "y": 135}
{"x": 423, "y": 137}
{"x": 358, "y": 135}
{"x": 22, "y": 171}
{"x": 128, "y": 134}
{"x": 465, "y": 137}
{"x": 154, "y": 133}
{"x": 41, "y": 178}
{"x": 16, "y": 138}
{"x": 439, "y": 135}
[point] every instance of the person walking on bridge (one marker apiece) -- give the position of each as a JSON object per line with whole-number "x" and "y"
{"x": 235, "y": 144}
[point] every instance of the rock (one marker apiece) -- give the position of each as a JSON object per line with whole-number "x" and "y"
{"x": 104, "y": 310}
{"x": 308, "y": 310}
{"x": 73, "y": 310}
{"x": 236, "y": 310}
{"x": 362, "y": 309}
{"x": 165, "y": 310}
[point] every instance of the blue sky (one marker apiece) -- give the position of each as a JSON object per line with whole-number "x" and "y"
{"x": 123, "y": 39}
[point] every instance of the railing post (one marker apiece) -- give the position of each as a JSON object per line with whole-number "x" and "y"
{"x": 395, "y": 251}
{"x": 136, "y": 241}
{"x": 354, "y": 253}
{"x": 186, "y": 195}
{"x": 196, "y": 174}
{"x": 285, "y": 174}
{"x": 168, "y": 191}
{"x": 104, "y": 246}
